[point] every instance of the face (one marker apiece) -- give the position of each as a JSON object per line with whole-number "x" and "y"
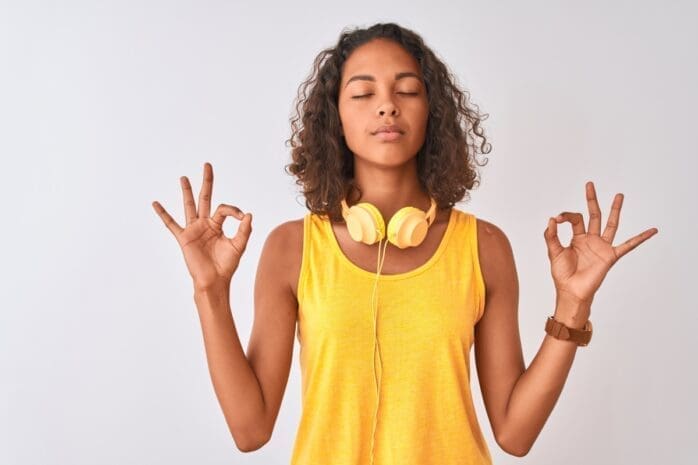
{"x": 382, "y": 85}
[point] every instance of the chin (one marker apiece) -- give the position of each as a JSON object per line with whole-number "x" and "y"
{"x": 401, "y": 151}
{"x": 386, "y": 158}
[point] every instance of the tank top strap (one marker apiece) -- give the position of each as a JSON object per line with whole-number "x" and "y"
{"x": 461, "y": 257}
{"x": 317, "y": 245}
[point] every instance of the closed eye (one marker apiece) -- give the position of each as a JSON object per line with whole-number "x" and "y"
{"x": 401, "y": 93}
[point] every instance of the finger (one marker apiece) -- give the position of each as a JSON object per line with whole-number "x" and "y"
{"x": 594, "y": 210}
{"x": 205, "y": 193}
{"x": 633, "y": 242}
{"x": 224, "y": 210}
{"x": 551, "y": 239}
{"x": 243, "y": 233}
{"x": 576, "y": 219}
{"x": 609, "y": 233}
{"x": 188, "y": 197}
{"x": 167, "y": 219}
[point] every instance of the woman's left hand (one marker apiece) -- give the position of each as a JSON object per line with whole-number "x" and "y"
{"x": 579, "y": 269}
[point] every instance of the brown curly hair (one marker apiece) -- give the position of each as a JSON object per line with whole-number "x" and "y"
{"x": 324, "y": 165}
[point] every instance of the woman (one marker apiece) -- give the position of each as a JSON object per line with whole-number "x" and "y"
{"x": 388, "y": 299}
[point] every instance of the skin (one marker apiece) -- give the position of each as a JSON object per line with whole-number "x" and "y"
{"x": 250, "y": 387}
{"x": 382, "y": 85}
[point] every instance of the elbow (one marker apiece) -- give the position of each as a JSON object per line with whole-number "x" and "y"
{"x": 511, "y": 447}
{"x": 248, "y": 446}
{"x": 251, "y": 442}
{"x": 517, "y": 452}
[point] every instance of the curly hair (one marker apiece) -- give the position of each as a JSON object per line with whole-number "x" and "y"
{"x": 324, "y": 165}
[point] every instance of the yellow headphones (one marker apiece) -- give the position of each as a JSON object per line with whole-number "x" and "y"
{"x": 407, "y": 228}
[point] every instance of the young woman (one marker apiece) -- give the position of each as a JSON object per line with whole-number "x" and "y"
{"x": 388, "y": 299}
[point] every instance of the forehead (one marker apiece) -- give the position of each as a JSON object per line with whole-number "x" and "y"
{"x": 380, "y": 58}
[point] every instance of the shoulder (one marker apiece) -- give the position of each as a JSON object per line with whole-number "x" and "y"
{"x": 490, "y": 235}
{"x": 494, "y": 251}
{"x": 288, "y": 232}
{"x": 286, "y": 239}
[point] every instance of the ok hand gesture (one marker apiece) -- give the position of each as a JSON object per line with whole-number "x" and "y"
{"x": 211, "y": 257}
{"x": 579, "y": 269}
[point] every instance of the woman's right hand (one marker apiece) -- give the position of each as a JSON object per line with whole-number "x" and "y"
{"x": 211, "y": 257}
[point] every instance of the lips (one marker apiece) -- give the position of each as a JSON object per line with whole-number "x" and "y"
{"x": 388, "y": 136}
{"x": 389, "y": 129}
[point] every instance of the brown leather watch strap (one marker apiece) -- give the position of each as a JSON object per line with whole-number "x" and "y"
{"x": 565, "y": 333}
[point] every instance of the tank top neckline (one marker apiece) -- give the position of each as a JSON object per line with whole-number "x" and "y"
{"x": 390, "y": 277}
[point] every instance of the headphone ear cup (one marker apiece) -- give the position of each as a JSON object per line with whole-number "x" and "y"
{"x": 365, "y": 223}
{"x": 407, "y": 228}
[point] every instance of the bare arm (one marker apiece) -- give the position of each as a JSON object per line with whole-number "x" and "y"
{"x": 518, "y": 400}
{"x": 234, "y": 382}
{"x": 250, "y": 387}
{"x": 537, "y": 390}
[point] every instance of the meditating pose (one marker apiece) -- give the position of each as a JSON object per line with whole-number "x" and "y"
{"x": 385, "y": 284}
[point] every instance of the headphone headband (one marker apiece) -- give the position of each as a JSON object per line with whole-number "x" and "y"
{"x": 430, "y": 215}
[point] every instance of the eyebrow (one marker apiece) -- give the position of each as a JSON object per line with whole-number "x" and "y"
{"x": 368, "y": 77}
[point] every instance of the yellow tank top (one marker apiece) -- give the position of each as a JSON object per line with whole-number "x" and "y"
{"x": 423, "y": 411}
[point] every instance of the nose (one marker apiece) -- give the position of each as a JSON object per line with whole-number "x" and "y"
{"x": 388, "y": 108}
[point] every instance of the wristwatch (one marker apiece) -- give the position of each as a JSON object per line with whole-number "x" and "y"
{"x": 565, "y": 333}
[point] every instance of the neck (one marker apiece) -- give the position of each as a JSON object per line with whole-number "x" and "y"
{"x": 389, "y": 190}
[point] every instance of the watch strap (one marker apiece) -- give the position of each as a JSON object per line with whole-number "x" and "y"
{"x": 560, "y": 331}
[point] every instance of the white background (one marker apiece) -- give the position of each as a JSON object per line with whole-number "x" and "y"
{"x": 104, "y": 105}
